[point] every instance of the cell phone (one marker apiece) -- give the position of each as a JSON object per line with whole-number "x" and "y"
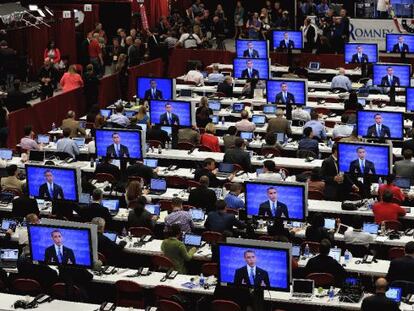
{"x": 42, "y": 298}
{"x": 144, "y": 271}
{"x": 107, "y": 306}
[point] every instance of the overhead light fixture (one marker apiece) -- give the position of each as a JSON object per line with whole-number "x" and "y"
{"x": 41, "y": 13}
{"x": 49, "y": 11}
{"x": 33, "y": 7}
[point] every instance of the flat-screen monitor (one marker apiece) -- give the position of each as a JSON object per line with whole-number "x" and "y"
{"x": 271, "y": 267}
{"x": 370, "y": 227}
{"x": 52, "y": 182}
{"x": 387, "y": 75}
{"x": 399, "y": 43}
{"x": 120, "y": 143}
{"x": 252, "y": 48}
{"x": 43, "y": 139}
{"x": 287, "y": 39}
{"x": 251, "y": 68}
{"x": 409, "y": 98}
{"x": 214, "y": 105}
{"x": 111, "y": 205}
{"x": 106, "y": 113}
{"x": 54, "y": 245}
{"x": 154, "y": 209}
{"x": 172, "y": 113}
{"x": 287, "y": 91}
{"x": 155, "y": 88}
{"x": 361, "y": 53}
{"x": 6, "y": 154}
{"x": 394, "y": 293}
{"x": 276, "y": 200}
{"x": 377, "y": 158}
{"x": 380, "y": 125}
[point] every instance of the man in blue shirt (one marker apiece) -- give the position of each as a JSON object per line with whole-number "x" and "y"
{"x": 318, "y": 128}
{"x": 67, "y": 145}
{"x": 232, "y": 199}
{"x": 220, "y": 221}
{"x": 341, "y": 81}
{"x": 308, "y": 143}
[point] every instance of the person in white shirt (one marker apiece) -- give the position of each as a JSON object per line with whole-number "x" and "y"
{"x": 187, "y": 40}
{"x": 355, "y": 235}
{"x": 118, "y": 117}
{"x": 215, "y": 76}
{"x": 269, "y": 172}
{"x": 382, "y": 8}
{"x": 299, "y": 114}
{"x": 343, "y": 129}
{"x": 194, "y": 75}
{"x": 341, "y": 81}
{"x": 244, "y": 125}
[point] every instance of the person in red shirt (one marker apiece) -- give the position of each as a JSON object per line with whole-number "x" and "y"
{"x": 386, "y": 210}
{"x": 209, "y": 140}
{"x": 71, "y": 79}
{"x": 398, "y": 195}
{"x": 95, "y": 54}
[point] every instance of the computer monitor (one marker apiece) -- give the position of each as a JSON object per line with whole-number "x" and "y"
{"x": 79, "y": 141}
{"x": 226, "y": 167}
{"x": 269, "y": 109}
{"x": 6, "y": 154}
{"x": 276, "y": 200}
{"x": 237, "y": 107}
{"x": 155, "y": 88}
{"x": 152, "y": 163}
{"x": 329, "y": 223}
{"x": 158, "y": 184}
{"x": 106, "y": 112}
{"x": 272, "y": 266}
{"x": 377, "y": 158}
{"x": 387, "y": 75}
{"x": 246, "y": 135}
{"x": 370, "y": 227}
{"x": 287, "y": 39}
{"x": 130, "y": 113}
{"x": 380, "y": 125}
{"x": 259, "y": 119}
{"x": 361, "y": 53}
{"x": 335, "y": 253}
{"x": 120, "y": 144}
{"x": 7, "y": 224}
{"x": 52, "y": 182}
{"x": 172, "y": 113}
{"x": 75, "y": 244}
{"x": 167, "y": 129}
{"x": 399, "y": 43}
{"x": 252, "y": 48}
{"x": 111, "y": 235}
{"x": 192, "y": 240}
{"x": 409, "y": 98}
{"x": 394, "y": 293}
{"x": 214, "y": 105}
{"x": 111, "y": 205}
{"x": 153, "y": 209}
{"x": 197, "y": 214}
{"x": 43, "y": 139}
{"x": 214, "y": 119}
{"x": 283, "y": 91}
{"x": 251, "y": 68}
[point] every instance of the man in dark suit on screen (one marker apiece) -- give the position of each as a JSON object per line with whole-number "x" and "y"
{"x": 390, "y": 79}
{"x": 284, "y": 97}
{"x": 117, "y": 150}
{"x": 251, "y": 275}
{"x": 250, "y": 72}
{"x": 57, "y": 253}
{"x": 272, "y": 207}
{"x": 250, "y": 52}
{"x": 153, "y": 92}
{"x": 286, "y": 43}
{"x": 362, "y": 165}
{"x": 359, "y": 57}
{"x": 50, "y": 190}
{"x": 378, "y": 129}
{"x": 401, "y": 47}
{"x": 169, "y": 118}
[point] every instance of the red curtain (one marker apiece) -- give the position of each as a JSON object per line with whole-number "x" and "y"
{"x": 155, "y": 9}
{"x": 109, "y": 90}
{"x": 65, "y": 37}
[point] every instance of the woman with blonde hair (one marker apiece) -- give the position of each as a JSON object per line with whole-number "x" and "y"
{"x": 203, "y": 113}
{"x": 142, "y": 116}
{"x": 209, "y": 140}
{"x": 71, "y": 79}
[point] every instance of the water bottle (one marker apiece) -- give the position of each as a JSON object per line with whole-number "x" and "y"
{"x": 331, "y": 293}
{"x": 282, "y": 174}
{"x": 330, "y": 143}
{"x": 222, "y": 120}
{"x": 307, "y": 251}
{"x": 159, "y": 149}
{"x": 201, "y": 280}
{"x": 347, "y": 256}
{"x": 53, "y": 126}
{"x": 379, "y": 181}
{"x": 92, "y": 162}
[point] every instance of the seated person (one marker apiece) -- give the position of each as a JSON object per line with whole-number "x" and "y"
{"x": 139, "y": 169}
{"x": 16, "y": 99}
{"x": 343, "y": 129}
{"x": 398, "y": 195}
{"x": 244, "y": 125}
{"x": 315, "y": 182}
{"x": 42, "y": 273}
{"x": 299, "y": 114}
{"x": 202, "y": 196}
{"x": 323, "y": 263}
{"x": 379, "y": 301}
{"x": 107, "y": 167}
{"x": 405, "y": 168}
{"x": 269, "y": 172}
{"x": 278, "y": 231}
{"x": 355, "y": 235}
{"x": 12, "y": 181}
{"x": 318, "y": 128}
{"x": 209, "y": 139}
{"x": 179, "y": 217}
{"x": 226, "y": 87}
{"x": 174, "y": 249}
{"x": 138, "y": 216}
{"x": 238, "y": 155}
{"x": 230, "y": 138}
{"x": 95, "y": 208}
{"x": 215, "y": 76}
{"x": 156, "y": 133}
{"x": 118, "y": 118}
{"x": 270, "y": 142}
{"x": 316, "y": 232}
{"x": 194, "y": 75}
{"x": 73, "y": 125}
{"x": 402, "y": 268}
{"x": 386, "y": 210}
{"x": 188, "y": 135}
{"x": 209, "y": 169}
{"x": 28, "y": 142}
{"x": 221, "y": 221}
{"x": 307, "y": 143}
{"x": 24, "y": 205}
{"x": 233, "y": 199}
{"x": 67, "y": 145}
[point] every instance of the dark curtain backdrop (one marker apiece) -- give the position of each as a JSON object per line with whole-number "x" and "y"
{"x": 155, "y": 9}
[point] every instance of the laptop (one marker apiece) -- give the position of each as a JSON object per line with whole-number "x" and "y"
{"x": 225, "y": 170}
{"x": 329, "y": 223}
{"x": 186, "y": 93}
{"x": 370, "y": 227}
{"x": 394, "y": 293}
{"x": 302, "y": 288}
{"x": 106, "y": 112}
{"x": 82, "y": 124}
{"x": 259, "y": 120}
{"x": 192, "y": 240}
{"x": 7, "y": 224}
{"x": 158, "y": 186}
{"x": 362, "y": 101}
{"x": 43, "y": 139}
{"x": 6, "y": 197}
{"x": 130, "y": 113}
{"x": 214, "y": 119}
{"x": 167, "y": 129}
{"x": 205, "y": 74}
{"x": 280, "y": 138}
{"x": 36, "y": 156}
{"x": 84, "y": 198}
{"x": 246, "y": 135}
{"x": 335, "y": 253}
{"x": 296, "y": 251}
{"x": 214, "y": 105}
{"x": 269, "y": 109}
{"x": 6, "y": 154}
{"x": 111, "y": 205}
{"x": 197, "y": 214}
{"x": 218, "y": 192}
{"x": 153, "y": 209}
{"x": 152, "y": 163}
{"x": 8, "y": 258}
{"x": 238, "y": 107}
{"x": 314, "y": 66}
{"x": 111, "y": 235}
{"x": 342, "y": 229}
{"x": 79, "y": 141}
{"x": 403, "y": 183}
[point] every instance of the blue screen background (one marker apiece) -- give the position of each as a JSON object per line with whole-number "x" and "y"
{"x": 295, "y": 36}
{"x": 410, "y": 98}
{"x": 180, "y": 108}
{"x": 62, "y": 177}
{"x": 370, "y": 49}
{"x": 393, "y": 120}
{"x": 164, "y": 85}
{"x": 262, "y": 65}
{"x": 297, "y": 88}
{"x": 292, "y": 196}
{"x": 260, "y": 46}
{"x": 392, "y": 39}
{"x": 130, "y": 139}
{"x": 76, "y": 239}
{"x": 403, "y": 72}
{"x": 377, "y": 154}
{"x": 275, "y": 262}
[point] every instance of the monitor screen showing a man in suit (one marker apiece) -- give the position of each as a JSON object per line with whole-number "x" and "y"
{"x": 362, "y": 166}
{"x": 251, "y": 274}
{"x": 378, "y": 129}
{"x": 168, "y": 117}
{"x": 390, "y": 79}
{"x": 272, "y": 207}
{"x": 400, "y": 46}
{"x": 58, "y": 253}
{"x": 286, "y": 43}
{"x": 116, "y": 150}
{"x": 50, "y": 190}
{"x": 153, "y": 92}
{"x": 284, "y": 96}
{"x": 359, "y": 57}
{"x": 251, "y": 52}
{"x": 250, "y": 72}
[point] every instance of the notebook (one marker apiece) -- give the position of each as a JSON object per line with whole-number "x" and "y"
{"x": 111, "y": 205}
{"x": 214, "y": 105}
{"x": 314, "y": 66}
{"x": 259, "y": 120}
{"x": 302, "y": 288}
{"x": 214, "y": 119}
{"x": 246, "y": 135}
{"x": 130, "y": 113}
{"x": 8, "y": 257}
{"x": 153, "y": 209}
{"x": 106, "y": 112}
{"x": 394, "y": 293}
{"x": 335, "y": 253}
{"x": 370, "y": 227}
{"x": 197, "y": 214}
{"x": 36, "y": 156}
{"x": 329, "y": 223}
{"x": 295, "y": 250}
{"x": 280, "y": 137}
{"x": 79, "y": 141}
{"x": 403, "y": 183}
{"x": 167, "y": 129}
{"x": 6, "y": 154}
{"x": 43, "y": 139}
{"x": 269, "y": 109}
{"x": 225, "y": 170}
{"x": 192, "y": 240}
{"x": 238, "y": 107}
{"x": 152, "y": 163}
{"x": 158, "y": 186}
{"x": 111, "y": 235}
{"x": 84, "y": 198}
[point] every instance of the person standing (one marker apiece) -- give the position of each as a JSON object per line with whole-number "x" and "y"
{"x": 91, "y": 88}
{"x": 238, "y": 20}
{"x": 71, "y": 79}
{"x": 48, "y": 77}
